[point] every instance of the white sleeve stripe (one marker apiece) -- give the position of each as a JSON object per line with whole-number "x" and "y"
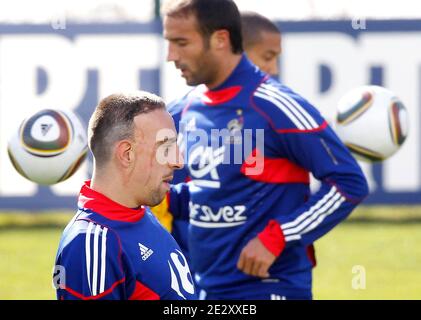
{"x": 88, "y": 253}
{"x": 323, "y": 216}
{"x": 314, "y": 216}
{"x": 287, "y": 104}
{"x": 310, "y": 119}
{"x": 299, "y": 109}
{"x": 317, "y": 222}
{"x": 295, "y": 103}
{"x": 95, "y": 260}
{"x": 283, "y": 108}
{"x": 103, "y": 259}
{"x": 293, "y": 237}
{"x": 310, "y": 211}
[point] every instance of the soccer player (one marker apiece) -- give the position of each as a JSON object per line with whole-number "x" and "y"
{"x": 262, "y": 44}
{"x": 250, "y": 143}
{"x": 114, "y": 248}
{"x": 261, "y": 41}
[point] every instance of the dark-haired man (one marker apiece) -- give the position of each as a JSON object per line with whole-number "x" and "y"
{"x": 261, "y": 41}
{"x": 114, "y": 248}
{"x": 262, "y": 44}
{"x": 250, "y": 143}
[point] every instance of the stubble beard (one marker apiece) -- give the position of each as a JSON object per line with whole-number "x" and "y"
{"x": 156, "y": 197}
{"x": 205, "y": 70}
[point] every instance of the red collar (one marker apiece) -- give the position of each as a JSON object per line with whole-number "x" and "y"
{"x": 97, "y": 202}
{"x": 215, "y": 97}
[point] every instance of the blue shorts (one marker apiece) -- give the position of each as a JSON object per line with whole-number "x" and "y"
{"x": 262, "y": 292}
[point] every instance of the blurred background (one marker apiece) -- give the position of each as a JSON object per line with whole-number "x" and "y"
{"x": 60, "y": 54}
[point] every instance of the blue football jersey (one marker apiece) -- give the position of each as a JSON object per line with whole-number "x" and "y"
{"x": 250, "y": 145}
{"x": 108, "y": 251}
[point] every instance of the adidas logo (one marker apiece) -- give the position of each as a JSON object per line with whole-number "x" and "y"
{"x": 45, "y": 128}
{"x": 145, "y": 252}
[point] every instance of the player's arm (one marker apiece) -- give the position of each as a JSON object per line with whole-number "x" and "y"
{"x": 91, "y": 266}
{"x": 314, "y": 147}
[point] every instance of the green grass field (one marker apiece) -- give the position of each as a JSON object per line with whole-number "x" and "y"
{"x": 383, "y": 241}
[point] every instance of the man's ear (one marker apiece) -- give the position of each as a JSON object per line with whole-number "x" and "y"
{"x": 220, "y": 39}
{"x": 125, "y": 153}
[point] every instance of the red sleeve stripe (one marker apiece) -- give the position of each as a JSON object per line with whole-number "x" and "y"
{"x": 346, "y": 196}
{"x": 302, "y": 120}
{"x": 322, "y": 127}
{"x": 291, "y": 108}
{"x": 273, "y": 170}
{"x": 273, "y": 238}
{"x": 142, "y": 292}
{"x": 98, "y": 296}
{"x": 283, "y": 108}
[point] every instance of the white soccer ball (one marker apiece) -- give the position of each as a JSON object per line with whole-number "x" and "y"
{"x": 372, "y": 122}
{"x": 49, "y": 146}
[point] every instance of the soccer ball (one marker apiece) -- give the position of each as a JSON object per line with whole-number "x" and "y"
{"x": 372, "y": 122}
{"x": 49, "y": 146}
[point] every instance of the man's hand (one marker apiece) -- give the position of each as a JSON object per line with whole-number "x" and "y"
{"x": 255, "y": 259}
